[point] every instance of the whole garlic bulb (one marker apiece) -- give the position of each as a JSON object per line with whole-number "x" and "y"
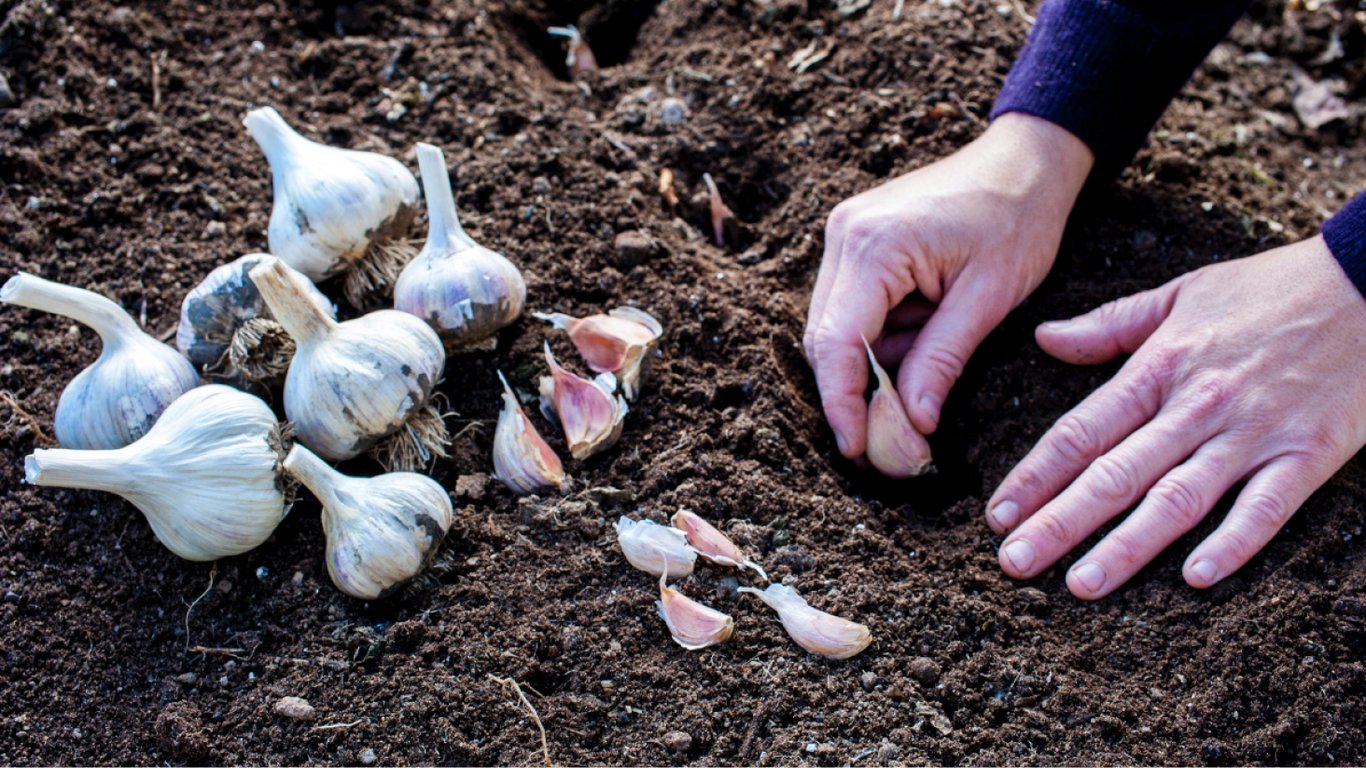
{"x": 464, "y": 290}
{"x": 335, "y": 210}
{"x": 206, "y": 475}
{"x": 120, "y": 396}
{"x": 353, "y": 384}
{"x": 381, "y": 531}
{"x": 225, "y": 326}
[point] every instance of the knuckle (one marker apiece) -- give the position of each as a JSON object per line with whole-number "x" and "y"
{"x": 1074, "y": 439}
{"x": 1130, "y": 552}
{"x": 839, "y": 216}
{"x": 949, "y": 362}
{"x": 1266, "y": 511}
{"x": 1318, "y": 441}
{"x": 1209, "y": 398}
{"x": 1053, "y": 530}
{"x": 1160, "y": 366}
{"x": 1112, "y": 478}
{"x": 1177, "y": 502}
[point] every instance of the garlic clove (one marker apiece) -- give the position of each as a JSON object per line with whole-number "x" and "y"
{"x": 226, "y": 329}
{"x": 206, "y": 475}
{"x": 335, "y": 210}
{"x": 465, "y": 291}
{"x": 692, "y": 624}
{"x": 666, "y": 187}
{"x": 895, "y": 447}
{"x": 118, "y": 398}
{"x": 719, "y": 212}
{"x": 588, "y": 412}
{"x": 381, "y": 531}
{"x": 654, "y": 548}
{"x": 819, "y": 632}
{"x": 578, "y": 56}
{"x": 711, "y": 543}
{"x": 521, "y": 457}
{"x": 618, "y": 342}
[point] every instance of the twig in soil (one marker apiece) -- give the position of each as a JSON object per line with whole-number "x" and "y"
{"x": 236, "y": 653}
{"x": 516, "y": 688}
{"x": 898, "y": 10}
{"x": 17, "y": 412}
{"x": 1020, "y": 9}
{"x": 213, "y": 573}
{"x": 336, "y": 726}
{"x": 157, "y": 59}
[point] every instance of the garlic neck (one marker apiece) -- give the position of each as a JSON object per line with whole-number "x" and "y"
{"x": 85, "y": 307}
{"x": 444, "y": 234}
{"x": 276, "y": 138}
{"x": 289, "y": 301}
{"x": 317, "y": 476}
{"x": 111, "y": 471}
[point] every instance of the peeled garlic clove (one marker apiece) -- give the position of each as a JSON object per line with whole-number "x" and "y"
{"x": 719, "y": 211}
{"x": 521, "y": 458}
{"x": 654, "y": 548}
{"x": 226, "y": 328}
{"x": 712, "y": 543}
{"x": 381, "y": 531}
{"x": 118, "y": 398}
{"x": 817, "y": 631}
{"x": 692, "y": 624}
{"x": 335, "y": 210}
{"x": 465, "y": 291}
{"x": 578, "y": 57}
{"x": 589, "y": 413}
{"x": 205, "y": 475}
{"x": 895, "y": 447}
{"x": 618, "y": 342}
{"x": 353, "y": 384}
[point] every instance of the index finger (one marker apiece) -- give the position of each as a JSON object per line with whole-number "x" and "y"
{"x": 825, "y": 279}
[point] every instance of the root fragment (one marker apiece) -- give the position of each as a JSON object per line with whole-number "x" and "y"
{"x": 413, "y": 447}
{"x": 18, "y": 413}
{"x": 261, "y": 351}
{"x": 517, "y": 689}
{"x": 369, "y": 280}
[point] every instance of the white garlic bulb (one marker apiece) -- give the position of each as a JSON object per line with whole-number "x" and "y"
{"x": 118, "y": 398}
{"x": 355, "y": 383}
{"x": 711, "y": 543}
{"x": 815, "y": 630}
{"x": 654, "y": 548}
{"x": 895, "y": 447}
{"x": 335, "y": 210}
{"x": 462, "y": 289}
{"x": 206, "y": 475}
{"x": 618, "y": 342}
{"x": 591, "y": 416}
{"x": 381, "y": 531}
{"x": 522, "y": 459}
{"x": 691, "y": 624}
{"x": 226, "y": 329}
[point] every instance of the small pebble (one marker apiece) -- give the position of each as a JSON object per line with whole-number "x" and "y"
{"x": 868, "y": 680}
{"x": 262, "y": 572}
{"x": 295, "y": 708}
{"x": 677, "y": 742}
{"x": 673, "y": 111}
{"x": 7, "y": 98}
{"x": 215, "y": 230}
{"x": 298, "y": 579}
{"x": 367, "y": 756}
{"x": 186, "y": 678}
{"x": 924, "y": 671}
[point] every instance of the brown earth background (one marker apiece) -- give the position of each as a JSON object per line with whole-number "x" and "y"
{"x": 136, "y": 185}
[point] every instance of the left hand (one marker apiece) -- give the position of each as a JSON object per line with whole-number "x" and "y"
{"x": 1251, "y": 370}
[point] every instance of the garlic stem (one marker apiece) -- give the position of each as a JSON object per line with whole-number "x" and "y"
{"x": 445, "y": 232}
{"x": 99, "y": 470}
{"x": 274, "y": 136}
{"x": 290, "y": 303}
{"x": 317, "y": 476}
{"x": 88, "y": 308}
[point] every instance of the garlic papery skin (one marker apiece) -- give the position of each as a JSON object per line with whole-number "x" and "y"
{"x": 335, "y": 210}
{"x": 591, "y": 416}
{"x": 226, "y": 330}
{"x": 819, "y": 632}
{"x": 618, "y": 342}
{"x": 381, "y": 531}
{"x": 522, "y": 459}
{"x": 712, "y": 543}
{"x": 119, "y": 396}
{"x": 206, "y": 475}
{"x": 656, "y": 549}
{"x": 465, "y": 291}
{"x": 895, "y": 447}
{"x": 355, "y": 383}
{"x": 692, "y": 624}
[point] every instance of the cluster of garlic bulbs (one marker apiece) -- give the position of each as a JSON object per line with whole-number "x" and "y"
{"x": 672, "y": 551}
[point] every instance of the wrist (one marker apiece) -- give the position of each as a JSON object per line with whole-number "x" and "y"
{"x": 1037, "y": 159}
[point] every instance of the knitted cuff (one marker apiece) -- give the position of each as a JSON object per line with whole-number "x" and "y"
{"x": 1345, "y": 235}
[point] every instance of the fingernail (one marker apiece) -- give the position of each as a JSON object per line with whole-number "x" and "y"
{"x": 1091, "y": 576}
{"x": 1006, "y": 514}
{"x": 931, "y": 405}
{"x": 1205, "y": 571}
{"x": 1054, "y": 325}
{"x": 1020, "y": 553}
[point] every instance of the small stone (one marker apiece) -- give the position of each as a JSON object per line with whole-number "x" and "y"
{"x": 924, "y": 671}
{"x": 262, "y": 573}
{"x": 672, "y": 111}
{"x": 677, "y": 742}
{"x": 295, "y": 708}
{"x": 12, "y": 597}
{"x": 471, "y": 487}
{"x": 540, "y": 185}
{"x": 868, "y": 680}
{"x": 298, "y": 579}
{"x": 186, "y": 678}
{"x": 215, "y": 230}
{"x": 224, "y": 587}
{"x": 367, "y": 756}
{"x": 635, "y": 247}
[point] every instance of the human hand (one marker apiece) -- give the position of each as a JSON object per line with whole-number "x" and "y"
{"x": 1252, "y": 370}
{"x": 930, "y": 262}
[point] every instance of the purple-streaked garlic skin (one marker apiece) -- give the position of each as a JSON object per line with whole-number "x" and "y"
{"x": 711, "y": 543}
{"x": 691, "y": 624}
{"x": 654, "y": 548}
{"x": 821, "y": 633}
{"x": 522, "y": 459}
{"x": 618, "y": 342}
{"x": 590, "y": 414}
{"x": 895, "y": 447}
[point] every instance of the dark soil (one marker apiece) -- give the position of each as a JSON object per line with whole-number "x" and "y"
{"x": 137, "y": 186}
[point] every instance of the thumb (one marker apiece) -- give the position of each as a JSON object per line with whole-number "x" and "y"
{"x": 942, "y": 349}
{"x": 1118, "y": 327}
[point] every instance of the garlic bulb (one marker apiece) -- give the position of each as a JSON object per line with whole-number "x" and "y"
{"x": 588, "y": 412}
{"x": 353, "y": 384}
{"x": 521, "y": 457}
{"x": 462, "y": 289}
{"x": 118, "y": 398}
{"x": 206, "y": 475}
{"x": 817, "y": 631}
{"x": 381, "y": 531}
{"x": 711, "y": 543}
{"x": 654, "y": 548}
{"x": 692, "y": 624}
{"x": 618, "y": 342}
{"x": 895, "y": 447}
{"x": 226, "y": 329}
{"x": 335, "y": 210}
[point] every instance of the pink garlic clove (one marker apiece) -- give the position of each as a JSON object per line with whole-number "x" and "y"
{"x": 654, "y": 548}
{"x": 712, "y": 544}
{"x": 819, "y": 632}
{"x": 588, "y": 412}
{"x": 618, "y": 342}
{"x": 692, "y": 624}
{"x": 522, "y": 459}
{"x": 895, "y": 447}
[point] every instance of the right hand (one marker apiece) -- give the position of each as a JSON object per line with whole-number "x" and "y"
{"x": 929, "y": 263}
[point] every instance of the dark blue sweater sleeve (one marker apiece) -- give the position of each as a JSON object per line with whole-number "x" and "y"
{"x": 1105, "y": 70}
